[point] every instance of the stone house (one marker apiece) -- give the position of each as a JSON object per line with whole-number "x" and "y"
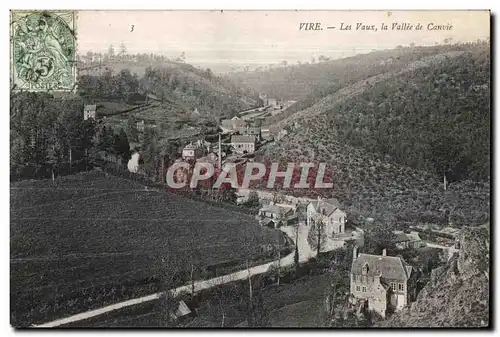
{"x": 408, "y": 240}
{"x": 89, "y": 111}
{"x": 266, "y": 134}
{"x": 233, "y": 124}
{"x": 251, "y": 131}
{"x": 191, "y": 152}
{"x": 243, "y": 144}
{"x": 384, "y": 282}
{"x": 328, "y": 211}
{"x": 277, "y": 215}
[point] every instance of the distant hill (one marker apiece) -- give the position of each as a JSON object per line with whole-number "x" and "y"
{"x": 311, "y": 81}
{"x": 174, "y": 83}
{"x": 389, "y": 138}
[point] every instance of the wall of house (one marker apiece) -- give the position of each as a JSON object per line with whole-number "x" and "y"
{"x": 370, "y": 289}
{"x": 398, "y": 299}
{"x": 336, "y": 223}
{"x": 187, "y": 153}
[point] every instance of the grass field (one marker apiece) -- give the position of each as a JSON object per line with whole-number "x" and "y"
{"x": 296, "y": 304}
{"x": 92, "y": 239}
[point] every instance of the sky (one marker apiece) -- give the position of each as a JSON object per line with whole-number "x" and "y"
{"x": 264, "y": 37}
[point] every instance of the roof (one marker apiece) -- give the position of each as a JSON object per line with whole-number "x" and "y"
{"x": 251, "y": 130}
{"x": 190, "y": 146}
{"x": 233, "y": 123}
{"x": 388, "y": 267}
{"x": 401, "y": 236}
{"x": 90, "y": 107}
{"x": 275, "y": 209}
{"x": 239, "y": 123}
{"x": 242, "y": 139}
{"x": 227, "y": 123}
{"x": 413, "y": 236}
{"x": 327, "y": 205}
{"x": 179, "y": 309}
{"x": 266, "y": 221}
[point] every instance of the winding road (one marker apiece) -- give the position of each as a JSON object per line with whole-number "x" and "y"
{"x": 305, "y": 253}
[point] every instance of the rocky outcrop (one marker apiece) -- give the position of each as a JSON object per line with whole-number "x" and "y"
{"x": 457, "y": 294}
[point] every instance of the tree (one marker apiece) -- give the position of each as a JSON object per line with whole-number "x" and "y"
{"x": 105, "y": 140}
{"x": 446, "y": 153}
{"x": 296, "y": 253}
{"x": 111, "y": 51}
{"x": 379, "y": 237}
{"x": 319, "y": 227}
{"x": 122, "y": 146}
{"x": 132, "y": 132}
{"x": 323, "y": 58}
{"x": 169, "y": 270}
{"x": 54, "y": 155}
{"x": 123, "y": 50}
{"x": 253, "y": 200}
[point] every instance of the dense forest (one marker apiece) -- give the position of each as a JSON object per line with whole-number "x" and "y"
{"x": 435, "y": 118}
{"x": 390, "y": 140}
{"x": 49, "y": 137}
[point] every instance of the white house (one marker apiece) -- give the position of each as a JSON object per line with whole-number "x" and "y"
{"x": 89, "y": 111}
{"x": 191, "y": 152}
{"x": 243, "y": 144}
{"x": 328, "y": 211}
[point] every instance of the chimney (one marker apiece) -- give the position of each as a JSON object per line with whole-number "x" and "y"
{"x": 355, "y": 253}
{"x": 384, "y": 252}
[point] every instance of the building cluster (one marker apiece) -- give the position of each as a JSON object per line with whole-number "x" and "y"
{"x": 326, "y": 212}
{"x": 276, "y": 215}
{"x": 272, "y": 103}
{"x": 245, "y": 136}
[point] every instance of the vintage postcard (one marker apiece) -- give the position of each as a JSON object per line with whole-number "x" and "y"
{"x": 244, "y": 169}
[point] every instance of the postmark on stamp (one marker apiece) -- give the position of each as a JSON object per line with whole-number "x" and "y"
{"x": 43, "y": 49}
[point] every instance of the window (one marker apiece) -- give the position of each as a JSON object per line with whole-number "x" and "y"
{"x": 357, "y": 288}
{"x": 364, "y": 289}
{"x": 401, "y": 287}
{"x": 393, "y": 286}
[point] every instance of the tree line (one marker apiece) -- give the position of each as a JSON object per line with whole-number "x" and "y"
{"x": 49, "y": 136}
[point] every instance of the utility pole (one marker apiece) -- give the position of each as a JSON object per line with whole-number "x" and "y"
{"x": 220, "y": 153}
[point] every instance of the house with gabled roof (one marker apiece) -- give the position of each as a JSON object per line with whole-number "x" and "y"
{"x": 408, "y": 240}
{"x": 381, "y": 281}
{"x": 234, "y": 124}
{"x": 277, "y": 215}
{"x": 243, "y": 144}
{"x": 327, "y": 211}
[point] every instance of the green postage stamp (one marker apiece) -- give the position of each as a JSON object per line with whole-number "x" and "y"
{"x": 43, "y": 49}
